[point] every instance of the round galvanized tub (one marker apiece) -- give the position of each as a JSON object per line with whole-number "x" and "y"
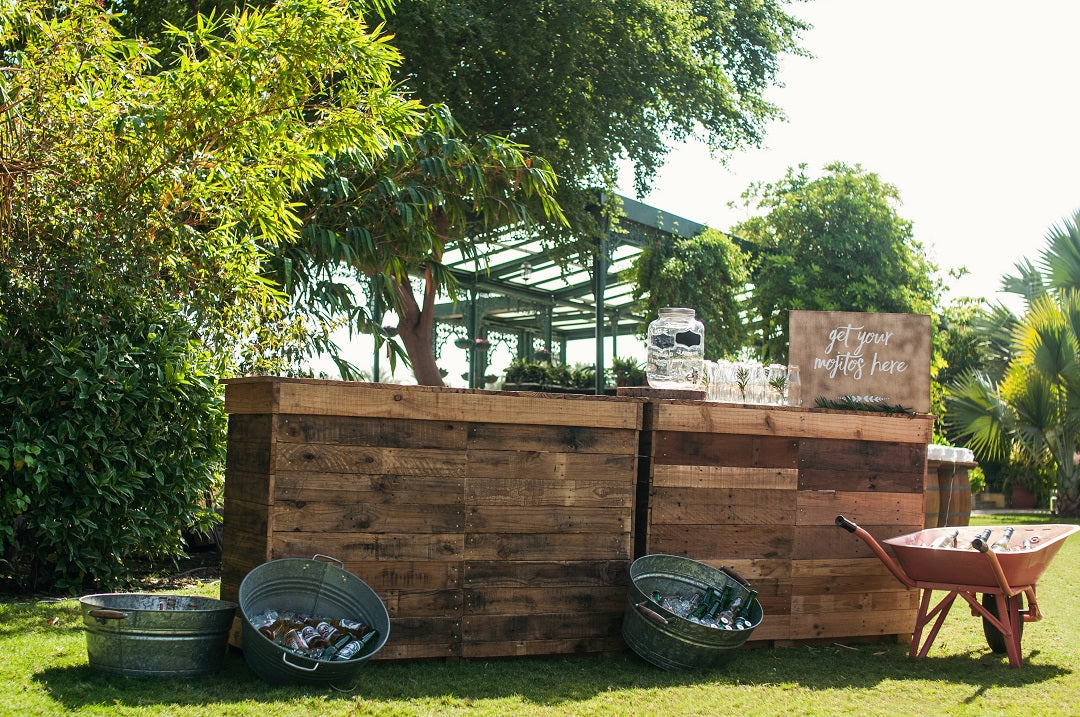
{"x": 155, "y": 635}
{"x": 663, "y": 638}
{"x": 312, "y": 587}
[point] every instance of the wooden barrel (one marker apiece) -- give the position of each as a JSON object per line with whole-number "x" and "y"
{"x": 955, "y": 507}
{"x": 931, "y": 496}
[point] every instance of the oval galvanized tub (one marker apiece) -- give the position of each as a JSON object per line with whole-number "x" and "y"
{"x": 312, "y": 587}
{"x": 156, "y": 635}
{"x": 663, "y": 638}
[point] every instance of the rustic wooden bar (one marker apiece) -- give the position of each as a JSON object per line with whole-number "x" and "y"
{"x": 491, "y": 524}
{"x": 758, "y": 489}
{"x": 501, "y": 523}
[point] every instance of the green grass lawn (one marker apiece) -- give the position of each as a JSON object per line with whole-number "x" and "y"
{"x": 44, "y": 671}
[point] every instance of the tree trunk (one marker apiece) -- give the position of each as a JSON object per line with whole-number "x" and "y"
{"x": 415, "y": 329}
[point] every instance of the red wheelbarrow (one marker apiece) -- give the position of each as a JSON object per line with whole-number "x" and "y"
{"x": 1004, "y": 579}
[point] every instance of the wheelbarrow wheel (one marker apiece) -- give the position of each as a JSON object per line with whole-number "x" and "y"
{"x": 994, "y": 638}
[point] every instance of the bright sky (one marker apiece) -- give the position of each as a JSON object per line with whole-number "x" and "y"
{"x": 970, "y": 108}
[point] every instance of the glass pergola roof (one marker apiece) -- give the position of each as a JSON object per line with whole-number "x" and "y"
{"x": 512, "y": 286}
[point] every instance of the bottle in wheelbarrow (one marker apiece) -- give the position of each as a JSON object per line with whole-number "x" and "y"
{"x": 1002, "y": 544}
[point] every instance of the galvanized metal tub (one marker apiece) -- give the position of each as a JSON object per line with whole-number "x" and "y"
{"x": 156, "y": 635}
{"x": 667, "y": 640}
{"x": 313, "y": 587}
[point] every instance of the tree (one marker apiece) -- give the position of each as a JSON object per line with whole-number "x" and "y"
{"x": 583, "y": 84}
{"x": 395, "y": 218}
{"x": 587, "y": 83}
{"x": 708, "y": 272}
{"x": 1030, "y": 418}
{"x": 139, "y": 204}
{"x": 834, "y": 243}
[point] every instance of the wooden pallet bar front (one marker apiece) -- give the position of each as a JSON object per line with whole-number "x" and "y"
{"x": 758, "y": 489}
{"x": 490, "y": 524}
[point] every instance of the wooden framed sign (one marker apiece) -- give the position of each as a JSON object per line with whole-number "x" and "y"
{"x": 868, "y": 357}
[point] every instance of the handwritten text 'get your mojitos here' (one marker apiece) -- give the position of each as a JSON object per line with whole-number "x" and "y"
{"x": 853, "y": 358}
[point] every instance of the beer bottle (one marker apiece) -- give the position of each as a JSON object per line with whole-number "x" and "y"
{"x": 745, "y": 611}
{"x": 982, "y": 536}
{"x": 1002, "y": 544}
{"x": 705, "y": 605}
{"x": 946, "y": 541}
{"x": 353, "y": 648}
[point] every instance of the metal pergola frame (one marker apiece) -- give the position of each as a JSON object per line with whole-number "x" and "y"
{"x": 510, "y": 286}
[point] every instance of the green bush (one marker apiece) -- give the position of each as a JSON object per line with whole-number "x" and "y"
{"x": 112, "y": 436}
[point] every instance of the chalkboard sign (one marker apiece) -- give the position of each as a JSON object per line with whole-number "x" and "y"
{"x": 865, "y": 357}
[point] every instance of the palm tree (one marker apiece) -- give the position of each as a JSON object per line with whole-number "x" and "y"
{"x": 1030, "y": 415}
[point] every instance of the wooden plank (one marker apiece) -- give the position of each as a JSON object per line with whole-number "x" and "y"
{"x": 364, "y": 431}
{"x": 772, "y": 627}
{"x": 526, "y": 491}
{"x": 525, "y": 648}
{"x": 326, "y": 458}
{"x": 420, "y": 575}
{"x": 829, "y": 541}
{"x": 356, "y": 518}
{"x": 531, "y": 600}
{"x": 703, "y": 506}
{"x": 252, "y": 457}
{"x": 340, "y": 398}
{"x": 827, "y": 577}
{"x": 711, "y": 417}
{"x": 707, "y": 449}
{"x": 257, "y": 394}
{"x": 546, "y": 519}
{"x": 734, "y": 477}
{"x": 546, "y": 546}
{"x": 555, "y": 439}
{"x": 247, "y": 487}
{"x": 357, "y": 488}
{"x": 251, "y": 428}
{"x": 547, "y": 573}
{"x": 855, "y": 455}
{"x": 851, "y": 624}
{"x": 722, "y": 542}
{"x": 422, "y": 603}
{"x": 537, "y": 626}
{"x": 514, "y": 465}
{"x": 864, "y": 480}
{"x": 359, "y": 547}
{"x": 822, "y": 506}
{"x": 419, "y": 637}
{"x": 850, "y": 602}
{"x": 240, "y": 517}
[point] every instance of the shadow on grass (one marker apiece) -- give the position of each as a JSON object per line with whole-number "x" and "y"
{"x": 554, "y": 681}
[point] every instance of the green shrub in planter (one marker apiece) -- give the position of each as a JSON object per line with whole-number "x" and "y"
{"x": 113, "y": 435}
{"x": 524, "y": 371}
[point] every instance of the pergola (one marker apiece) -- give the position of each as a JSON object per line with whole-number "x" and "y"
{"x": 513, "y": 293}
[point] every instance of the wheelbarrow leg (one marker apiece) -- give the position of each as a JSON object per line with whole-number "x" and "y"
{"x": 1009, "y": 609}
{"x": 925, "y": 615}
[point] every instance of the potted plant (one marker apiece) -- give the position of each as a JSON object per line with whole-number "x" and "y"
{"x": 543, "y": 355}
{"x": 524, "y": 375}
{"x": 557, "y": 377}
{"x": 463, "y": 343}
{"x": 481, "y": 344}
{"x": 627, "y": 372}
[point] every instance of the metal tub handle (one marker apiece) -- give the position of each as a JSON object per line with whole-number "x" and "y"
{"x": 285, "y": 659}
{"x": 328, "y": 559}
{"x": 102, "y": 614}
{"x": 651, "y": 614}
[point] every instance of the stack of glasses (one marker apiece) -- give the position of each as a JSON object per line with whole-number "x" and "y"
{"x": 752, "y": 382}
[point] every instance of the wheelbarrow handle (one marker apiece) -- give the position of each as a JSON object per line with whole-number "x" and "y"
{"x": 851, "y": 527}
{"x": 846, "y": 524}
{"x": 1003, "y": 582}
